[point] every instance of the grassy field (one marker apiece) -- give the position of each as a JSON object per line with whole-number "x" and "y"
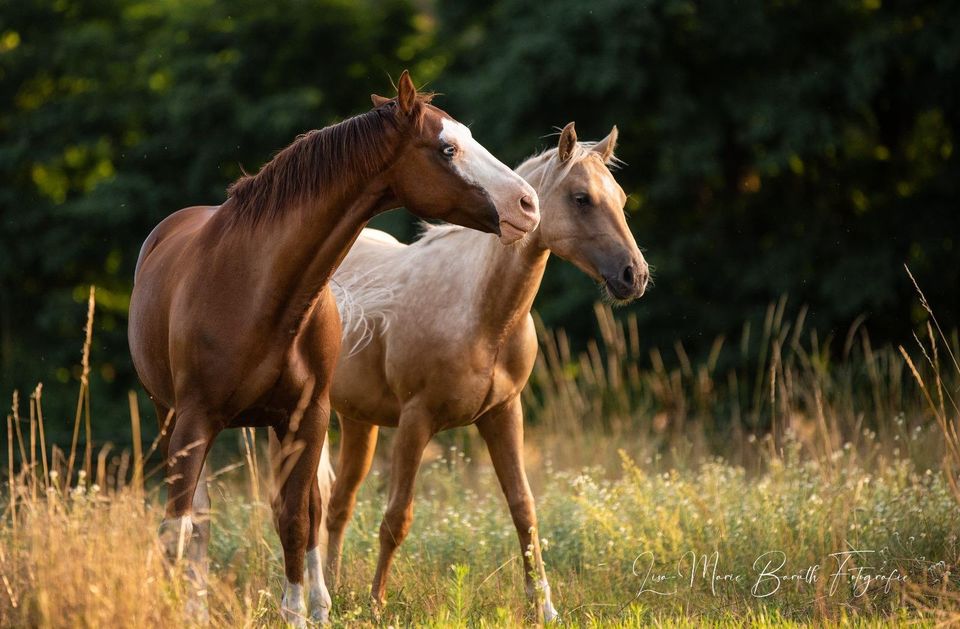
{"x": 821, "y": 491}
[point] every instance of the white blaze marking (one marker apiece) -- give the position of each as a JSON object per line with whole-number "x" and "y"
{"x": 475, "y": 164}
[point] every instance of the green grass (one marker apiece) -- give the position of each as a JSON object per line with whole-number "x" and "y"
{"x": 638, "y": 471}
{"x": 461, "y": 562}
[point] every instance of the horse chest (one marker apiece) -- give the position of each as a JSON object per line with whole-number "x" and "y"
{"x": 492, "y": 379}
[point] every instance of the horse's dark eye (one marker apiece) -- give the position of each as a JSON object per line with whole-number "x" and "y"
{"x": 582, "y": 200}
{"x": 449, "y": 150}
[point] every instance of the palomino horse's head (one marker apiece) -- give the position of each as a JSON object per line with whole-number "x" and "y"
{"x": 583, "y": 219}
{"x": 443, "y": 173}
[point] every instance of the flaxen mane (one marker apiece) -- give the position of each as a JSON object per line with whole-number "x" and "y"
{"x": 541, "y": 170}
{"x": 321, "y": 161}
{"x": 364, "y": 299}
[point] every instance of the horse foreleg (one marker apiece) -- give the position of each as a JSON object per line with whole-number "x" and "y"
{"x": 357, "y": 447}
{"x": 412, "y": 436}
{"x": 502, "y": 430}
{"x": 199, "y": 563}
{"x": 189, "y": 442}
{"x": 297, "y": 498}
{"x": 185, "y": 531}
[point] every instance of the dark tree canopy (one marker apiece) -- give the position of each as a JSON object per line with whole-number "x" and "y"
{"x": 771, "y": 148}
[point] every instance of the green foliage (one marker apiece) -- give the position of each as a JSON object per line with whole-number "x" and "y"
{"x": 116, "y": 113}
{"x": 771, "y": 149}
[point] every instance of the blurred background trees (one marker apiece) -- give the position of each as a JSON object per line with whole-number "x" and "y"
{"x": 771, "y": 148}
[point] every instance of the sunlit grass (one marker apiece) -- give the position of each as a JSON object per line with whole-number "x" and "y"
{"x": 638, "y": 472}
{"x": 93, "y": 559}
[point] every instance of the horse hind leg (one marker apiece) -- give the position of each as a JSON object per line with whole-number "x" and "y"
{"x": 188, "y": 442}
{"x": 412, "y": 436}
{"x": 358, "y": 445}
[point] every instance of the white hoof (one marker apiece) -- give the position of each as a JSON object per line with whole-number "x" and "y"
{"x": 320, "y": 605}
{"x": 320, "y": 615}
{"x": 550, "y": 613}
{"x": 197, "y": 610}
{"x": 291, "y": 608}
{"x": 319, "y": 596}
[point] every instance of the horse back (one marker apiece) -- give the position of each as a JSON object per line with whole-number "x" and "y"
{"x": 181, "y": 220}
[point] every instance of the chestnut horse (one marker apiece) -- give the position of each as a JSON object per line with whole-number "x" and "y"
{"x": 446, "y": 339}
{"x": 232, "y": 322}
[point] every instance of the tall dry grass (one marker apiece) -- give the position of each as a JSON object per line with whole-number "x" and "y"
{"x": 782, "y": 382}
{"x": 830, "y": 442}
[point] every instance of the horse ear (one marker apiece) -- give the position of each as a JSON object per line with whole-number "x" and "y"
{"x": 607, "y": 145}
{"x": 406, "y": 93}
{"x": 378, "y": 100}
{"x": 568, "y": 140}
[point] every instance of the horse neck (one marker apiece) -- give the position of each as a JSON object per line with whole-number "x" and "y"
{"x": 321, "y": 242}
{"x": 291, "y": 259}
{"x": 509, "y": 278}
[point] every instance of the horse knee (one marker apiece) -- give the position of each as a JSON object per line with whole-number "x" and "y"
{"x": 395, "y": 526}
{"x": 523, "y": 513}
{"x": 338, "y": 512}
{"x": 293, "y": 527}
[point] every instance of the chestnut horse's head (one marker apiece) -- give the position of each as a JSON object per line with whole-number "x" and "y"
{"x": 441, "y": 172}
{"x": 583, "y": 219}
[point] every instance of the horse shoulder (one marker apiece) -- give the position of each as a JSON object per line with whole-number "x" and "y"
{"x": 362, "y": 386}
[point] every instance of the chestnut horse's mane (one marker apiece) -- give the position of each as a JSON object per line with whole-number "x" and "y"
{"x": 320, "y": 162}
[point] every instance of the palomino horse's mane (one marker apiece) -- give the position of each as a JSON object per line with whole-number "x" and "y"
{"x": 364, "y": 299}
{"x": 318, "y": 162}
{"x": 542, "y": 170}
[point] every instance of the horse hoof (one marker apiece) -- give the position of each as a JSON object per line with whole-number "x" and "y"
{"x": 550, "y": 614}
{"x": 291, "y": 607}
{"x": 320, "y": 616}
{"x": 197, "y": 611}
{"x": 376, "y": 608}
{"x": 320, "y": 605}
{"x": 293, "y": 619}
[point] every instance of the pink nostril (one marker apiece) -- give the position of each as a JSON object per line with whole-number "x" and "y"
{"x": 527, "y": 205}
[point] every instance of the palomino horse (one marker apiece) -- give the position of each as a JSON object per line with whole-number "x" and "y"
{"x": 446, "y": 339}
{"x": 232, "y": 322}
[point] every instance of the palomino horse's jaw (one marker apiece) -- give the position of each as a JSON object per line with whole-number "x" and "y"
{"x": 517, "y": 204}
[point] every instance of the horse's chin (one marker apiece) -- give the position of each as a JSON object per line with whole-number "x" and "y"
{"x": 612, "y": 297}
{"x": 510, "y": 234}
